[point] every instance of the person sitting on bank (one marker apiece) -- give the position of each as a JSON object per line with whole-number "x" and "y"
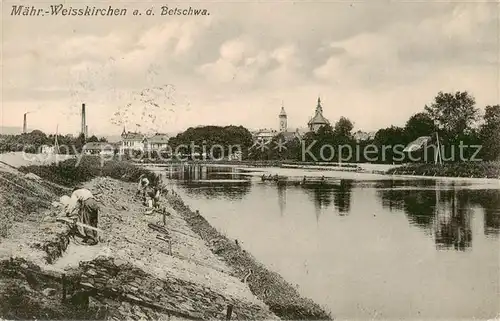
{"x": 83, "y": 205}
{"x": 143, "y": 184}
{"x": 154, "y": 197}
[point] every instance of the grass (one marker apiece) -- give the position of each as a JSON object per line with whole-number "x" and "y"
{"x": 22, "y": 199}
{"x": 72, "y": 172}
{"x": 464, "y": 169}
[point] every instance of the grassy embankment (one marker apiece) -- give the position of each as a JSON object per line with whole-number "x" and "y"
{"x": 465, "y": 169}
{"x": 70, "y": 173}
{"x": 282, "y": 298}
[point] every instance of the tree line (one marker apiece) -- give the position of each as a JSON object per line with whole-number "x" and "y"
{"x": 33, "y": 141}
{"x": 452, "y": 119}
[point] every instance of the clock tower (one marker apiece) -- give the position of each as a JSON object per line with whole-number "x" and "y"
{"x": 282, "y": 118}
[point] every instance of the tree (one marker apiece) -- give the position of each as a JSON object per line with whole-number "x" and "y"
{"x": 390, "y": 144}
{"x": 343, "y": 128}
{"x": 92, "y": 139}
{"x": 453, "y": 113}
{"x": 211, "y": 139}
{"x": 79, "y": 142}
{"x": 489, "y": 133}
{"x": 420, "y": 124}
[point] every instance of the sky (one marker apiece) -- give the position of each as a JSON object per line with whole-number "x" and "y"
{"x": 374, "y": 62}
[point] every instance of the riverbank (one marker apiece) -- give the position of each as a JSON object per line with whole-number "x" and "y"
{"x": 132, "y": 273}
{"x": 486, "y": 170}
{"x": 281, "y": 297}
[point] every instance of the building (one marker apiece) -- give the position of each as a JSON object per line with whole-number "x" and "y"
{"x": 283, "y": 120}
{"x": 46, "y": 149}
{"x": 264, "y": 136}
{"x": 318, "y": 120}
{"x": 131, "y": 141}
{"x": 156, "y": 142}
{"x": 289, "y": 135}
{"x": 98, "y": 148}
{"x": 237, "y": 156}
{"x": 361, "y": 136}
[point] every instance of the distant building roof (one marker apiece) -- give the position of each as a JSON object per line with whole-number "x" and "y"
{"x": 98, "y": 146}
{"x": 158, "y": 139}
{"x": 318, "y": 118}
{"x": 265, "y": 132}
{"x": 360, "y": 135}
{"x": 132, "y": 136}
{"x": 289, "y": 135}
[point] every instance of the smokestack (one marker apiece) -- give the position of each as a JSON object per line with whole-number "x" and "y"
{"x": 25, "y": 125}
{"x": 86, "y": 131}
{"x": 84, "y": 125}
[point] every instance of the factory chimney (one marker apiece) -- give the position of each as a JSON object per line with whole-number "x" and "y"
{"x": 84, "y": 125}
{"x": 25, "y": 125}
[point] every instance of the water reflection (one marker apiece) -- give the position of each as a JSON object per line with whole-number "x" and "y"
{"x": 360, "y": 260}
{"x": 342, "y": 199}
{"x": 443, "y": 210}
{"x": 453, "y": 222}
{"x": 324, "y": 195}
{"x": 281, "y": 198}
{"x": 490, "y": 202}
{"x": 227, "y": 183}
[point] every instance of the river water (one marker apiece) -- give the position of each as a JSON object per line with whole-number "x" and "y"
{"x": 362, "y": 246}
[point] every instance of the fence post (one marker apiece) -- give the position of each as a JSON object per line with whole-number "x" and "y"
{"x": 63, "y": 280}
{"x": 229, "y": 312}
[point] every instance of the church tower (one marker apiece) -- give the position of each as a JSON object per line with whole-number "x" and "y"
{"x": 318, "y": 120}
{"x": 282, "y": 118}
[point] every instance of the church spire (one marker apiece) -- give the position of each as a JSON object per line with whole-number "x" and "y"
{"x": 282, "y": 113}
{"x": 319, "y": 109}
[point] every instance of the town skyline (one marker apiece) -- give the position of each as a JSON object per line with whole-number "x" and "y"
{"x": 374, "y": 63}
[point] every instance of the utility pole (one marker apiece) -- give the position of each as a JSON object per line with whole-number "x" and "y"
{"x": 56, "y": 142}
{"x": 438, "y": 154}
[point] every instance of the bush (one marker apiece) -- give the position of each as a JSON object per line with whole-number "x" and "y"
{"x": 72, "y": 173}
{"x": 465, "y": 169}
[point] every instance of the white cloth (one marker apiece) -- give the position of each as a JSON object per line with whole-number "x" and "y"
{"x": 143, "y": 183}
{"x": 78, "y": 196}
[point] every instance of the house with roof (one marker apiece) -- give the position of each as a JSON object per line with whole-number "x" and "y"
{"x": 156, "y": 142}
{"x": 263, "y": 136}
{"x": 318, "y": 120}
{"x": 99, "y": 148}
{"x": 361, "y": 136}
{"x": 131, "y": 141}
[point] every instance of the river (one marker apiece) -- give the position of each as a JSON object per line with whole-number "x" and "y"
{"x": 362, "y": 246}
